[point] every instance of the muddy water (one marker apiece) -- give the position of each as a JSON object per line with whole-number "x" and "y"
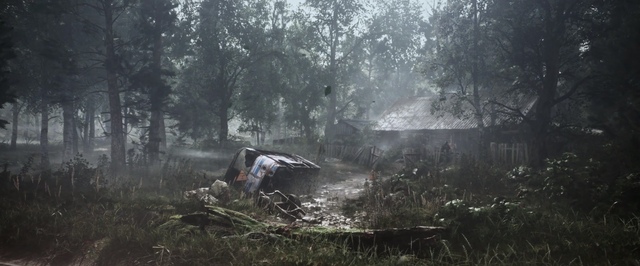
{"x": 324, "y": 207}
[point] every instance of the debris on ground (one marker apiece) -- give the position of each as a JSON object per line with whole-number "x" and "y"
{"x": 202, "y": 195}
{"x": 287, "y": 206}
{"x": 324, "y": 206}
{"x": 317, "y": 214}
{"x": 219, "y": 191}
{"x": 221, "y": 221}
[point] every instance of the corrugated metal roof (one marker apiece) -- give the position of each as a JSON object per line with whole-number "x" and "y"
{"x": 356, "y": 123}
{"x": 415, "y": 114}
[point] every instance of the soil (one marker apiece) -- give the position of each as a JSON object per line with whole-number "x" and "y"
{"x": 324, "y": 207}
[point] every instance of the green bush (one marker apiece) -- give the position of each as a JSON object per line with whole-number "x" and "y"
{"x": 582, "y": 184}
{"x": 510, "y": 233}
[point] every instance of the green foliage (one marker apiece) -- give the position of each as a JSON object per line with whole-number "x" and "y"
{"x": 509, "y": 232}
{"x": 77, "y": 176}
{"x": 485, "y": 225}
{"x": 566, "y": 181}
{"x": 587, "y": 185}
{"x": 614, "y": 99}
{"x": 229, "y": 42}
{"x": 565, "y": 216}
{"x": 116, "y": 227}
{"x": 7, "y": 95}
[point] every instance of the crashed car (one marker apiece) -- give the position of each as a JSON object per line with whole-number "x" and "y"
{"x": 261, "y": 170}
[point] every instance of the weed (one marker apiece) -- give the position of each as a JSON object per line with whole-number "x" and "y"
{"x": 82, "y": 211}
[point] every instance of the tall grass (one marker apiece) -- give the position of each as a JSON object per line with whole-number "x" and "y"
{"x": 80, "y": 219}
{"x": 490, "y": 225}
{"x": 81, "y": 214}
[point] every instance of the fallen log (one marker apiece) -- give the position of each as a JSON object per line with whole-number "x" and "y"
{"x": 403, "y": 239}
{"x": 228, "y": 222}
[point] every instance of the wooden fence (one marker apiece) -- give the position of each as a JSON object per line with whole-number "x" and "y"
{"x": 412, "y": 156}
{"x": 506, "y": 154}
{"x": 509, "y": 154}
{"x": 367, "y": 155}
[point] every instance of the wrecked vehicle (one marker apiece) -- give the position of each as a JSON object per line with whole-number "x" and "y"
{"x": 262, "y": 170}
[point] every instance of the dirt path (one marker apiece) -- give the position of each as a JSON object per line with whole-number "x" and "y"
{"x": 324, "y": 207}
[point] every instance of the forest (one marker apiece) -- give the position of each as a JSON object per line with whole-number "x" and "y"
{"x": 111, "y": 109}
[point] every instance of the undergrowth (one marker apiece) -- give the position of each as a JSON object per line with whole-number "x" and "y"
{"x": 571, "y": 212}
{"x": 574, "y": 211}
{"x": 79, "y": 215}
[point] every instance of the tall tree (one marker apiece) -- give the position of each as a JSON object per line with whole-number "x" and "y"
{"x": 68, "y": 93}
{"x": 396, "y": 34}
{"x": 15, "y": 115}
{"x": 302, "y": 94}
{"x": 60, "y": 50}
{"x": 539, "y": 44}
{"x": 462, "y": 61}
{"x": 50, "y": 56}
{"x": 155, "y": 19}
{"x": 110, "y": 11}
{"x": 6, "y": 54}
{"x": 612, "y": 50}
{"x": 333, "y": 23}
{"x": 265, "y": 82}
{"x": 18, "y": 72}
{"x": 227, "y": 42}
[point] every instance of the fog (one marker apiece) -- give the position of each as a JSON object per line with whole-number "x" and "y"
{"x": 458, "y": 132}
{"x": 203, "y": 75}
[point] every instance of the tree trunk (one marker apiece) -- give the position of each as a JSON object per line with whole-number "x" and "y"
{"x": 76, "y": 137}
{"x": 554, "y": 28}
{"x": 86, "y": 137}
{"x": 92, "y": 129}
{"x": 125, "y": 117}
{"x": 44, "y": 131}
{"x": 333, "y": 72}
{"x": 257, "y": 138}
{"x": 478, "y": 112}
{"x": 307, "y": 130}
{"x": 154, "y": 135}
{"x": 262, "y": 137}
{"x": 106, "y": 120}
{"x": 157, "y": 95}
{"x": 115, "y": 106}
{"x": 163, "y": 134}
{"x": 224, "y": 124}
{"x": 67, "y": 130}
{"x": 14, "y": 125}
{"x": 331, "y": 109}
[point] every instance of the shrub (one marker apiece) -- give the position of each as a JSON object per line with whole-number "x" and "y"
{"x": 572, "y": 182}
{"x": 78, "y": 176}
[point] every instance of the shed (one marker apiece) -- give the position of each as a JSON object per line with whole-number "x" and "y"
{"x": 413, "y": 122}
{"x": 348, "y": 127}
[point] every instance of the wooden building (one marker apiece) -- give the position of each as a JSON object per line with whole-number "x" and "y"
{"x": 413, "y": 123}
{"x": 350, "y": 127}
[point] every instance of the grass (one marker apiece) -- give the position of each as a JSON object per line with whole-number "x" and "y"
{"x": 129, "y": 232}
{"x": 489, "y": 225}
{"x": 121, "y": 224}
{"x": 127, "y": 222}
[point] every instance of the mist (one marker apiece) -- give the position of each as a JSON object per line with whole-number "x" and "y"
{"x": 445, "y": 132}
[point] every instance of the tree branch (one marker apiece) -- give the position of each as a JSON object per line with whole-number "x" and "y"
{"x": 512, "y": 110}
{"x": 572, "y": 90}
{"x": 344, "y": 108}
